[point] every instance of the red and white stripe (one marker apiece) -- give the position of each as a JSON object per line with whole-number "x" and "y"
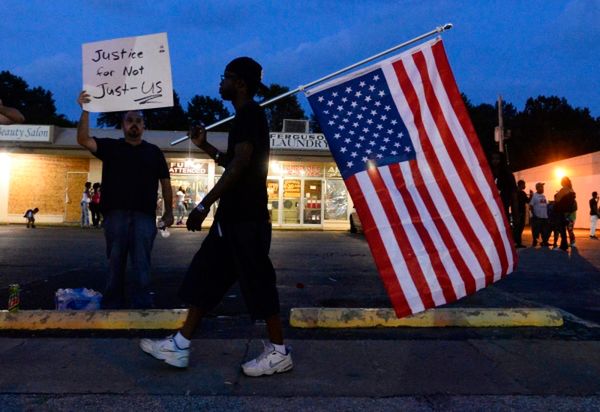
{"x": 435, "y": 225}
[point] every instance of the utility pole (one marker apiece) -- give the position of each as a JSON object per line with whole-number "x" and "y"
{"x": 499, "y": 130}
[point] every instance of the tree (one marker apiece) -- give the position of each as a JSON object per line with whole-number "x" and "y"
{"x": 207, "y": 110}
{"x": 287, "y": 108}
{"x": 166, "y": 118}
{"x": 36, "y": 104}
{"x": 110, "y": 119}
{"x": 550, "y": 129}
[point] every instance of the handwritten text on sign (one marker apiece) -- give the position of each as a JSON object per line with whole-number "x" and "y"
{"x": 131, "y": 73}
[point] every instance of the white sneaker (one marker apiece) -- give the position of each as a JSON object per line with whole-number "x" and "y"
{"x": 166, "y": 350}
{"x": 269, "y": 362}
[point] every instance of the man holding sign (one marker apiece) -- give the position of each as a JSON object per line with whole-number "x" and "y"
{"x": 131, "y": 170}
{"x": 237, "y": 245}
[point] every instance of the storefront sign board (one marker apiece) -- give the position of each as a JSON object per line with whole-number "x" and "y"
{"x": 299, "y": 141}
{"x": 188, "y": 168}
{"x": 27, "y": 133}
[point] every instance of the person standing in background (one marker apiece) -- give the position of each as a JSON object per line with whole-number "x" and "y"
{"x": 85, "y": 203}
{"x": 519, "y": 217}
{"x": 507, "y": 188}
{"x": 539, "y": 218}
{"x": 564, "y": 206}
{"x": 180, "y": 206}
{"x": 593, "y": 215}
{"x": 95, "y": 205}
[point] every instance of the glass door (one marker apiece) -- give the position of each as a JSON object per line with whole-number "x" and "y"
{"x": 274, "y": 193}
{"x": 312, "y": 201}
{"x": 291, "y": 202}
{"x": 194, "y": 189}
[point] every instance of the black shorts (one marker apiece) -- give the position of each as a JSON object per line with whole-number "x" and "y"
{"x": 240, "y": 251}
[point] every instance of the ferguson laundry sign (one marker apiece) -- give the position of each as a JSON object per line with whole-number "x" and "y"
{"x": 299, "y": 141}
{"x": 26, "y": 133}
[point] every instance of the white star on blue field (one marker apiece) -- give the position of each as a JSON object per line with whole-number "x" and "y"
{"x": 363, "y": 125}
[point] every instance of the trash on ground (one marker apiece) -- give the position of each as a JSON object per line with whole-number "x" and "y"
{"x": 77, "y": 299}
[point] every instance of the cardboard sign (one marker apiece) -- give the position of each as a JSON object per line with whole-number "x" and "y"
{"x": 131, "y": 73}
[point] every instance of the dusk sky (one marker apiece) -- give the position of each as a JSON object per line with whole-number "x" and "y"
{"x": 519, "y": 49}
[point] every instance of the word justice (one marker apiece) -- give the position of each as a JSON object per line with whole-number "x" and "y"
{"x": 101, "y": 54}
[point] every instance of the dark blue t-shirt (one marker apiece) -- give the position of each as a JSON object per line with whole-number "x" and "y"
{"x": 247, "y": 200}
{"x": 130, "y": 175}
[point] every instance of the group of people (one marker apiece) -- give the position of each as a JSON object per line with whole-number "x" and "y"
{"x": 90, "y": 204}
{"x": 556, "y": 217}
{"x": 237, "y": 245}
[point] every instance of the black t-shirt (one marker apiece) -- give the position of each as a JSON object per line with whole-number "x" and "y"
{"x": 506, "y": 184}
{"x": 247, "y": 200}
{"x": 522, "y": 200}
{"x": 593, "y": 207}
{"x": 130, "y": 175}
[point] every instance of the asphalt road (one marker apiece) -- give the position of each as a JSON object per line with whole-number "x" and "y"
{"x": 430, "y": 369}
{"x": 314, "y": 269}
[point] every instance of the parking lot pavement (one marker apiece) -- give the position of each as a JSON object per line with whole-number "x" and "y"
{"x": 526, "y": 368}
{"x": 315, "y": 269}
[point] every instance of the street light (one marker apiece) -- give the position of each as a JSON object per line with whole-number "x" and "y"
{"x": 559, "y": 172}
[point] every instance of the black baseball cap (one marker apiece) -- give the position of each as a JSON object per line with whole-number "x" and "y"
{"x": 247, "y": 69}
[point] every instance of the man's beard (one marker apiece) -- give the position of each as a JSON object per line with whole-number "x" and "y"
{"x": 134, "y": 133}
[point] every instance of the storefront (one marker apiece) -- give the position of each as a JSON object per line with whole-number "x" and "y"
{"x": 304, "y": 186}
{"x": 306, "y": 194}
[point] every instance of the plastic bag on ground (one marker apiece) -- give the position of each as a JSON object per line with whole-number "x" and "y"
{"x": 77, "y": 299}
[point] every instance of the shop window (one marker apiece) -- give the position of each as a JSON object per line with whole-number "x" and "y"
{"x": 273, "y": 205}
{"x": 336, "y": 200}
{"x": 312, "y": 202}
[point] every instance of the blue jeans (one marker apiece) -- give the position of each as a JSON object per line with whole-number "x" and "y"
{"x": 128, "y": 233}
{"x": 85, "y": 214}
{"x": 180, "y": 212}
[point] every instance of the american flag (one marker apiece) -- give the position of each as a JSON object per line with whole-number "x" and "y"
{"x": 402, "y": 139}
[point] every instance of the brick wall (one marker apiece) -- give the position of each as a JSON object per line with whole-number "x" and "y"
{"x": 41, "y": 181}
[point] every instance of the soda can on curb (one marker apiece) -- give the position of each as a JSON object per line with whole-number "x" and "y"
{"x": 14, "y": 298}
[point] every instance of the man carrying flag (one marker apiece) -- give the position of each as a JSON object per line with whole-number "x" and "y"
{"x": 237, "y": 245}
{"x": 410, "y": 158}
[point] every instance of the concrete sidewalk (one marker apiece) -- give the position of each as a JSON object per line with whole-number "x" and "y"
{"x": 354, "y": 368}
{"x": 101, "y": 374}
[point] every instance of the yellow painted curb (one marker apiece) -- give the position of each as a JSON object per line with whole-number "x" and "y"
{"x": 99, "y": 319}
{"x": 433, "y": 318}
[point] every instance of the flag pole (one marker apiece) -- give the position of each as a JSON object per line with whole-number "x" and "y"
{"x": 439, "y": 29}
